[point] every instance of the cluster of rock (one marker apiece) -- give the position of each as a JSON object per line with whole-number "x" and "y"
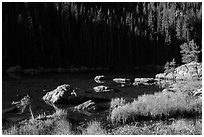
{"x": 190, "y": 71}
{"x": 66, "y": 94}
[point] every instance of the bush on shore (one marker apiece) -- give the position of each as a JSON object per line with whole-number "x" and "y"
{"x": 160, "y": 105}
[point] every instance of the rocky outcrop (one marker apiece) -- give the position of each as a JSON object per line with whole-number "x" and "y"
{"x": 144, "y": 81}
{"x": 190, "y": 71}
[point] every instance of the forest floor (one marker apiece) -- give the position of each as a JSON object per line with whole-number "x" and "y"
{"x": 162, "y": 113}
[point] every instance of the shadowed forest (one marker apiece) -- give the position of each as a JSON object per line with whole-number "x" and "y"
{"x": 113, "y": 35}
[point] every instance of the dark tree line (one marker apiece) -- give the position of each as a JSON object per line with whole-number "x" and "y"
{"x": 97, "y": 34}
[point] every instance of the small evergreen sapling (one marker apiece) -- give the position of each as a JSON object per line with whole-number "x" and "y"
{"x": 170, "y": 67}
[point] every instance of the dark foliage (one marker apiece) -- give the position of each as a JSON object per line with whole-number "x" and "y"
{"x": 97, "y": 34}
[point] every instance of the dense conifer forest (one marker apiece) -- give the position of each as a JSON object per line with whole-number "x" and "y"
{"x": 97, "y": 34}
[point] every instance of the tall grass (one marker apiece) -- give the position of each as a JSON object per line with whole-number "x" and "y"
{"x": 177, "y": 127}
{"x": 160, "y": 105}
{"x": 42, "y": 125}
{"x": 117, "y": 102}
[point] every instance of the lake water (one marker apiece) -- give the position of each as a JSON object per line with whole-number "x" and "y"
{"x": 17, "y": 86}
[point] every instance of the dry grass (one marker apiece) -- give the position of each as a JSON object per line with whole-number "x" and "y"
{"x": 177, "y": 127}
{"x": 159, "y": 105}
{"x": 42, "y": 125}
{"x": 94, "y": 128}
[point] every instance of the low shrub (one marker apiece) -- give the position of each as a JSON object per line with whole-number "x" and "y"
{"x": 160, "y": 105}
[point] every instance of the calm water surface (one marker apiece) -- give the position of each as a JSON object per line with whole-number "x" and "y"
{"x": 15, "y": 87}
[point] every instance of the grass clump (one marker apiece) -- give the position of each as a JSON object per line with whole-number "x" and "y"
{"x": 94, "y": 128}
{"x": 160, "y": 105}
{"x": 34, "y": 127}
{"x": 55, "y": 124}
{"x": 117, "y": 102}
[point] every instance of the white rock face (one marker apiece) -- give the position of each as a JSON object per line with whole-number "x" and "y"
{"x": 62, "y": 94}
{"x": 190, "y": 71}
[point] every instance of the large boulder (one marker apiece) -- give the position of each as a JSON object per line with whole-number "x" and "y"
{"x": 63, "y": 94}
{"x": 192, "y": 70}
{"x": 189, "y": 71}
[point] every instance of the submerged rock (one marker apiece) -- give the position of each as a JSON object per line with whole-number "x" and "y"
{"x": 14, "y": 69}
{"x": 31, "y": 71}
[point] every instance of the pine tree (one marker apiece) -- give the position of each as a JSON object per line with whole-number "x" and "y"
{"x": 189, "y": 52}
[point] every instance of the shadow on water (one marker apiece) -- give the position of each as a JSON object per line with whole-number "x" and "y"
{"x": 14, "y": 88}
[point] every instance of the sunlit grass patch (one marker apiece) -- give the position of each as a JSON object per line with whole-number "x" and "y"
{"x": 117, "y": 102}
{"x": 177, "y": 127}
{"x": 62, "y": 127}
{"x": 94, "y": 128}
{"x": 159, "y": 105}
{"x": 42, "y": 125}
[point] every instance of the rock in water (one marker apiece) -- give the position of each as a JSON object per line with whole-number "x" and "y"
{"x": 86, "y": 106}
{"x": 99, "y": 79}
{"x": 144, "y": 81}
{"x": 63, "y": 94}
{"x": 121, "y": 80}
{"x": 102, "y": 89}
